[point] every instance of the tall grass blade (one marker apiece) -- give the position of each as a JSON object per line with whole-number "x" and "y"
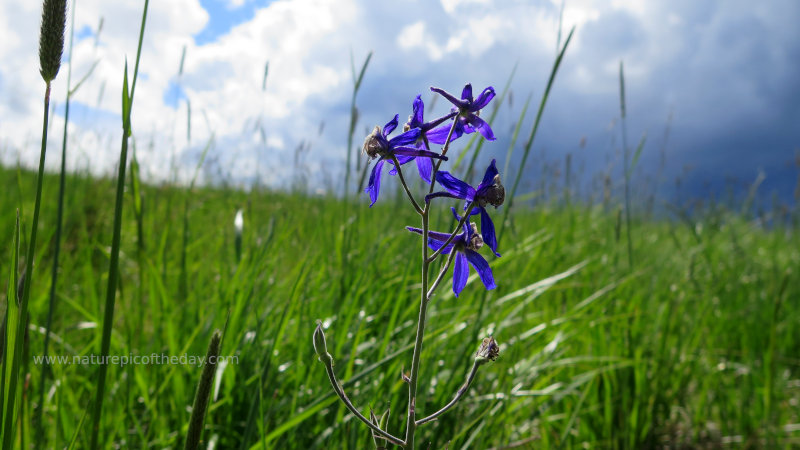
{"x": 113, "y": 268}
{"x": 8, "y": 348}
{"x": 357, "y": 79}
{"x": 636, "y": 155}
{"x": 515, "y": 135}
{"x": 532, "y": 135}
{"x": 626, "y": 163}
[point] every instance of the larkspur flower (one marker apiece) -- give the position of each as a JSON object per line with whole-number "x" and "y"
{"x": 466, "y": 244}
{"x": 467, "y": 120}
{"x": 490, "y": 191}
{"x": 377, "y": 145}
{"x": 428, "y": 132}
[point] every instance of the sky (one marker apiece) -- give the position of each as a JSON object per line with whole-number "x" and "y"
{"x": 713, "y": 85}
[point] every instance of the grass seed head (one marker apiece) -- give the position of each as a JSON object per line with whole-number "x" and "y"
{"x": 51, "y": 38}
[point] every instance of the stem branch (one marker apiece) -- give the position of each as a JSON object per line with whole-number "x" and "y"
{"x": 441, "y": 275}
{"x": 405, "y": 186}
{"x": 340, "y": 392}
{"x": 460, "y": 393}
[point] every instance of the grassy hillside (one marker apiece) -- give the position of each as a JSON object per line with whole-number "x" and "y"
{"x": 695, "y": 345}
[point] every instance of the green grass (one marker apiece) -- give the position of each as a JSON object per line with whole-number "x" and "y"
{"x": 697, "y": 346}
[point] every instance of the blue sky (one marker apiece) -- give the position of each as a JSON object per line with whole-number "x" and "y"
{"x": 714, "y": 84}
{"x": 224, "y": 15}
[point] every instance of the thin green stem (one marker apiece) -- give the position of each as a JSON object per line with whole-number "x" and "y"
{"x": 411, "y": 426}
{"x": 460, "y": 393}
{"x": 625, "y": 162}
{"x": 340, "y": 392}
{"x": 423, "y": 309}
{"x": 529, "y": 143}
{"x": 442, "y": 272}
{"x": 405, "y": 186}
{"x": 113, "y": 268}
{"x": 353, "y": 118}
{"x": 57, "y": 250}
{"x": 444, "y": 152}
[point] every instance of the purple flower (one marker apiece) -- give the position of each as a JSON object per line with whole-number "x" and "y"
{"x": 466, "y": 245}
{"x": 489, "y": 192}
{"x": 376, "y": 145}
{"x": 468, "y": 110}
{"x": 428, "y": 131}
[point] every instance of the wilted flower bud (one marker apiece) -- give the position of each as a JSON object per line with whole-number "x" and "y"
{"x": 495, "y": 194}
{"x": 488, "y": 351}
{"x": 374, "y": 143}
{"x": 51, "y": 38}
{"x": 320, "y": 346}
{"x": 476, "y": 241}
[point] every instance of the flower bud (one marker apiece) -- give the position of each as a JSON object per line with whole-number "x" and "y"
{"x": 496, "y": 194}
{"x": 488, "y": 351}
{"x": 475, "y": 241}
{"x": 320, "y": 346}
{"x": 373, "y": 144}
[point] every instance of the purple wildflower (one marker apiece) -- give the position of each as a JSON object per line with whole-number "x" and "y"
{"x": 376, "y": 145}
{"x": 468, "y": 110}
{"x": 490, "y": 191}
{"x": 428, "y": 131}
{"x": 466, "y": 245}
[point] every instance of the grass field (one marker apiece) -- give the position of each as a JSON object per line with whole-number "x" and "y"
{"x": 696, "y": 345}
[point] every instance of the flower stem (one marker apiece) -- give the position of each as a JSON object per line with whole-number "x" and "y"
{"x": 405, "y": 186}
{"x": 439, "y": 278}
{"x": 340, "y": 392}
{"x": 411, "y": 425}
{"x": 423, "y": 309}
{"x": 444, "y": 151}
{"x": 460, "y": 393}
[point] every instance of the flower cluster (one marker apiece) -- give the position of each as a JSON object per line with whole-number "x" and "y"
{"x": 414, "y": 143}
{"x": 461, "y": 246}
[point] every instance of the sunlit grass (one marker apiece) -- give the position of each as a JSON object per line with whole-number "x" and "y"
{"x": 698, "y": 345}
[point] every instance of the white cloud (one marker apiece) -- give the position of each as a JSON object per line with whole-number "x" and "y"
{"x": 414, "y": 37}
{"x": 450, "y": 6}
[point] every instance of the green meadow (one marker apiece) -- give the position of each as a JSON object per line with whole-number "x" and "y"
{"x": 696, "y": 345}
{"x": 618, "y": 328}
